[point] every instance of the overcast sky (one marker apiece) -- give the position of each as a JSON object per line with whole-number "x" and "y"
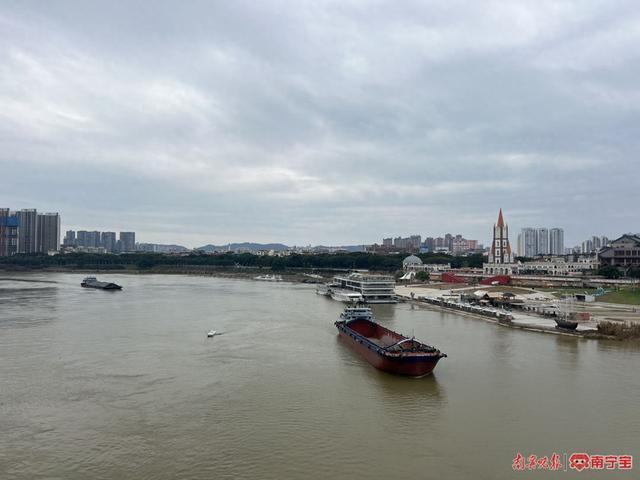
{"x": 335, "y": 122}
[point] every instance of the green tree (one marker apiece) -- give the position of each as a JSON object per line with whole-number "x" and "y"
{"x": 422, "y": 276}
{"x": 609, "y": 272}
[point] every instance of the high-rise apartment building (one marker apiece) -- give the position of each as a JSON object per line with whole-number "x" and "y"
{"x": 108, "y": 241}
{"x": 8, "y": 233}
{"x": 542, "y": 241}
{"x": 28, "y": 230}
{"x": 448, "y": 241}
{"x": 528, "y": 242}
{"x": 81, "y": 239}
{"x": 556, "y": 241}
{"x": 128, "y": 241}
{"x": 88, "y": 239}
{"x": 48, "y": 232}
{"x": 69, "y": 238}
{"x": 430, "y": 243}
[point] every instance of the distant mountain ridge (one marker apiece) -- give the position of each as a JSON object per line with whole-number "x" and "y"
{"x": 278, "y": 247}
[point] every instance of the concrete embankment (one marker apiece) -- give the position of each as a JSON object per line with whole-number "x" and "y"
{"x": 506, "y": 319}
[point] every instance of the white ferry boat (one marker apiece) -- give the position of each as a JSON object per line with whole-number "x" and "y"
{"x": 346, "y": 296}
{"x": 268, "y": 278}
{"x": 372, "y": 288}
{"x": 353, "y": 313}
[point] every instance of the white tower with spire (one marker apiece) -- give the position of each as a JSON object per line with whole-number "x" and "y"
{"x": 500, "y": 253}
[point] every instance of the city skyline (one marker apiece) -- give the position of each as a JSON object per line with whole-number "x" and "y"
{"x": 330, "y": 123}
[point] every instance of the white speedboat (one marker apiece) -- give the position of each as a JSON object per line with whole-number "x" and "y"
{"x": 211, "y": 333}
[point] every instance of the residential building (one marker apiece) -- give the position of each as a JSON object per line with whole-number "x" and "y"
{"x": 27, "y": 230}
{"x": 8, "y": 233}
{"x": 556, "y": 241}
{"x": 448, "y": 241}
{"x": 430, "y": 244}
{"x": 542, "y": 241}
{"x": 528, "y": 242}
{"x": 108, "y": 241}
{"x": 411, "y": 243}
{"x": 48, "y": 232}
{"x": 587, "y": 247}
{"x": 127, "y": 241}
{"x": 69, "y": 238}
{"x": 387, "y": 242}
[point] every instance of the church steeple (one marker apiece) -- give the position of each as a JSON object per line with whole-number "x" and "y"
{"x": 500, "y": 251}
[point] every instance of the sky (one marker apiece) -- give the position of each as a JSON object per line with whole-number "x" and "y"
{"x": 326, "y": 122}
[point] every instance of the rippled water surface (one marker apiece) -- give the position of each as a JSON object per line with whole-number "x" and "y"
{"x": 125, "y": 385}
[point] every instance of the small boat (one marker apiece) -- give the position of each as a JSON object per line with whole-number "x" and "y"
{"x": 268, "y": 278}
{"x": 211, "y": 333}
{"x": 566, "y": 324}
{"x": 92, "y": 282}
{"x": 346, "y": 296}
{"x": 383, "y": 348}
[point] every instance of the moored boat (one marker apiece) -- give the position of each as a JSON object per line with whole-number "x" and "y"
{"x": 93, "y": 282}
{"x": 566, "y": 324}
{"x": 346, "y": 296}
{"x": 384, "y": 348}
{"x": 269, "y": 278}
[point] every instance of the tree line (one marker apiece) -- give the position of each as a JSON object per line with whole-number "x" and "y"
{"x": 340, "y": 261}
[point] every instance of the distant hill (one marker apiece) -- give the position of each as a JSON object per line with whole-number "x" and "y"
{"x": 247, "y": 246}
{"x": 348, "y": 248}
{"x": 160, "y": 248}
{"x": 278, "y": 247}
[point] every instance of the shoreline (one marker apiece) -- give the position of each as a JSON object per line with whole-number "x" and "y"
{"x": 585, "y": 334}
{"x": 208, "y": 271}
{"x": 300, "y": 278}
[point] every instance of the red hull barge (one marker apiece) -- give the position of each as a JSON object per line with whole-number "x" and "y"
{"x": 388, "y": 350}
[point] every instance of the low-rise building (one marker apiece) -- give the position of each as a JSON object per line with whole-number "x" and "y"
{"x": 560, "y": 266}
{"x": 623, "y": 252}
{"x": 415, "y": 264}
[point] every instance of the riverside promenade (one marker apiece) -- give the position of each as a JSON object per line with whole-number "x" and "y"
{"x": 425, "y": 294}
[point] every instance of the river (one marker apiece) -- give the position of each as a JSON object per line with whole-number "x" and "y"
{"x": 125, "y": 385}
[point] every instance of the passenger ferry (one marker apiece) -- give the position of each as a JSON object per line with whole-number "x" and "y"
{"x": 346, "y": 296}
{"x": 372, "y": 288}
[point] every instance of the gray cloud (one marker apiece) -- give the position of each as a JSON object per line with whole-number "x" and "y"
{"x": 321, "y": 122}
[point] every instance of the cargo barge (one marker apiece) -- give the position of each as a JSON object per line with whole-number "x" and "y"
{"x": 383, "y": 348}
{"x": 92, "y": 282}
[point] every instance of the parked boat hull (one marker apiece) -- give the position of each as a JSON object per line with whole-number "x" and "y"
{"x": 566, "y": 324}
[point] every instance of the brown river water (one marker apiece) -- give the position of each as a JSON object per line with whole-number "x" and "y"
{"x": 125, "y": 385}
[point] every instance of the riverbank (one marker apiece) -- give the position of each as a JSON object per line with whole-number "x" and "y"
{"x": 428, "y": 298}
{"x": 246, "y": 273}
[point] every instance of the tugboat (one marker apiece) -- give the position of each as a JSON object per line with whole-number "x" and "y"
{"x": 383, "y": 348}
{"x": 92, "y": 282}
